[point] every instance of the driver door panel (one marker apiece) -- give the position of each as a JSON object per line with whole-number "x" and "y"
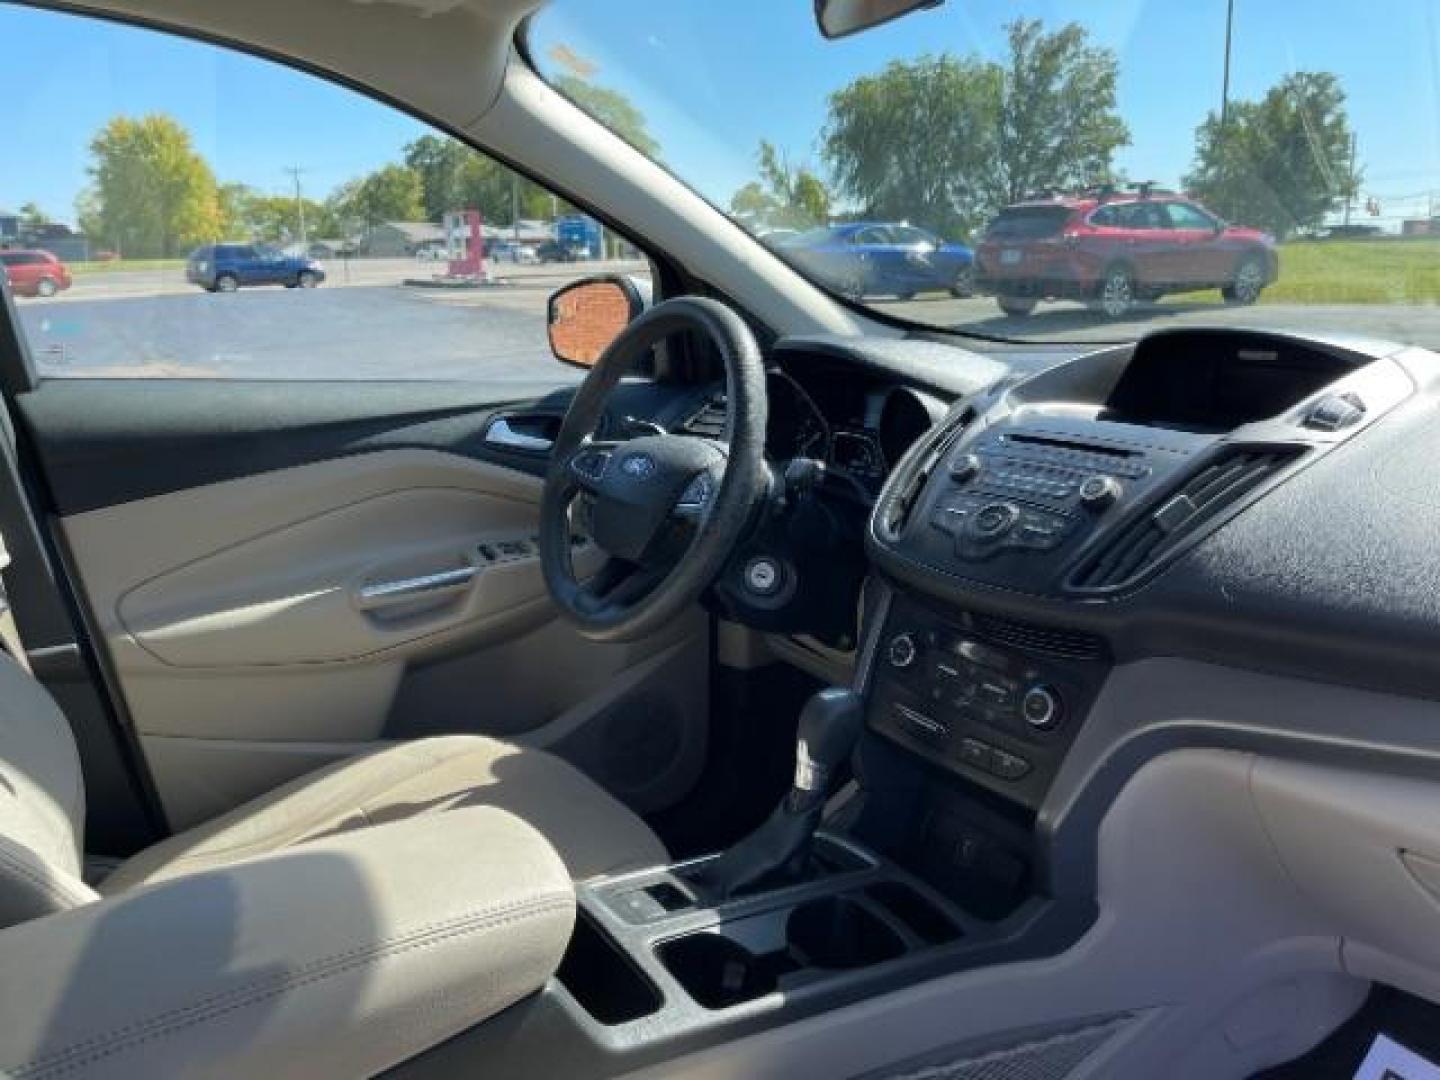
{"x": 279, "y": 585}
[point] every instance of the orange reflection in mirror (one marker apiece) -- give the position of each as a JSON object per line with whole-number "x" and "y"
{"x": 584, "y": 320}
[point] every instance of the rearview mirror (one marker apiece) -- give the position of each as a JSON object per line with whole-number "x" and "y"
{"x": 841, "y": 18}
{"x": 587, "y": 315}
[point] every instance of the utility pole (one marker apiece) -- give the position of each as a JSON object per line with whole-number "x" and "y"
{"x": 1350, "y": 185}
{"x": 1225, "y": 82}
{"x": 515, "y": 205}
{"x": 295, "y": 171}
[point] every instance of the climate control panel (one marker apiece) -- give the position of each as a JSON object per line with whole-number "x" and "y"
{"x": 947, "y": 687}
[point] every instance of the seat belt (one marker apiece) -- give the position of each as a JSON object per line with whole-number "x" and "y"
{"x": 9, "y": 633}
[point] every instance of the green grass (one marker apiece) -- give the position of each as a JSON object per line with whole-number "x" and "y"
{"x": 1391, "y": 271}
{"x": 1358, "y": 272}
{"x": 116, "y": 265}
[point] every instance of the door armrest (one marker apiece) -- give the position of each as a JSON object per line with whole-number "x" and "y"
{"x": 338, "y": 957}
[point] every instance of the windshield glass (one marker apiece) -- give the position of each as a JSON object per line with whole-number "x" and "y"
{"x": 1079, "y": 171}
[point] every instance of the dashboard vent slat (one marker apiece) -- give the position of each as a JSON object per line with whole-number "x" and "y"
{"x": 1042, "y": 640}
{"x": 709, "y": 419}
{"x": 1144, "y": 542}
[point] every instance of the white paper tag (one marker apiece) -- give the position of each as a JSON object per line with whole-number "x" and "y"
{"x": 1388, "y": 1060}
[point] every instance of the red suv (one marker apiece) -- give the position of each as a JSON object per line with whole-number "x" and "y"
{"x": 1113, "y": 250}
{"x": 35, "y": 273}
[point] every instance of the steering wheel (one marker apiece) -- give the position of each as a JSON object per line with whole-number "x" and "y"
{"x": 648, "y": 495}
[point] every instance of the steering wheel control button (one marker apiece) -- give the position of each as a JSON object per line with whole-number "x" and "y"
{"x": 902, "y": 651}
{"x": 696, "y": 495}
{"x": 763, "y": 576}
{"x": 994, "y": 520}
{"x": 590, "y": 465}
{"x": 1100, "y": 491}
{"x": 1042, "y": 708}
{"x": 965, "y": 468}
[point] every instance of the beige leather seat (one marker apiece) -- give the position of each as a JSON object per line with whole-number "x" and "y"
{"x": 334, "y": 927}
{"x": 592, "y": 832}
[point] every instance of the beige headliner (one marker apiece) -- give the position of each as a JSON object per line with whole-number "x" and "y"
{"x": 454, "y": 63}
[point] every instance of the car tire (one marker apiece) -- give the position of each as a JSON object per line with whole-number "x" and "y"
{"x": 227, "y": 283}
{"x": 1116, "y": 297}
{"x": 46, "y": 287}
{"x": 1249, "y": 282}
{"x": 963, "y": 287}
{"x": 1017, "y": 307}
{"x": 307, "y": 280}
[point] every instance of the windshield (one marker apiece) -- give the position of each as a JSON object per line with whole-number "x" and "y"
{"x": 1079, "y": 171}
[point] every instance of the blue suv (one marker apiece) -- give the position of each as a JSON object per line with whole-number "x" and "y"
{"x": 225, "y": 267}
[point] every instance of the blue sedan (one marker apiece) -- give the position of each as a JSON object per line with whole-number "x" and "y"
{"x": 866, "y": 258}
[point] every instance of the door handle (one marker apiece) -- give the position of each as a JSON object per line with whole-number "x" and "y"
{"x": 501, "y": 433}
{"x": 422, "y": 586}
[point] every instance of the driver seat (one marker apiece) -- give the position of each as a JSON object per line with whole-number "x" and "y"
{"x": 42, "y": 807}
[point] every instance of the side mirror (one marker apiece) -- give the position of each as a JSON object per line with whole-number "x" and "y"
{"x": 841, "y": 18}
{"x": 587, "y": 315}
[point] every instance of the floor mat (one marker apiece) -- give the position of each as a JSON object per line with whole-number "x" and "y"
{"x": 1408, "y": 1020}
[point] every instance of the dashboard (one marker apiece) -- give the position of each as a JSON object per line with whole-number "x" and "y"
{"x": 1092, "y": 515}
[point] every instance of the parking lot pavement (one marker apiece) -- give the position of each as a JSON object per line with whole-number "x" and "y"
{"x": 369, "y": 327}
{"x": 339, "y": 273}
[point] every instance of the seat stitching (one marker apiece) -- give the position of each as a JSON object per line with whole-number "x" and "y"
{"x": 49, "y": 886}
{"x": 88, "y": 1051}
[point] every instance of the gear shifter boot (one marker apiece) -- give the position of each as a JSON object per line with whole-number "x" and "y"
{"x": 829, "y": 727}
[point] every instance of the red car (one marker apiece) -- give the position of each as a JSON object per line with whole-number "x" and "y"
{"x": 1112, "y": 250}
{"x": 35, "y": 273}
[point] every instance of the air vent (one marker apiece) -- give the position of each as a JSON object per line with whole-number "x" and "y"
{"x": 895, "y": 514}
{"x": 709, "y": 421}
{"x": 1042, "y": 640}
{"x": 1140, "y": 545}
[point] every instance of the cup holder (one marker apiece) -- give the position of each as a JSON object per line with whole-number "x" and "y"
{"x": 836, "y": 933}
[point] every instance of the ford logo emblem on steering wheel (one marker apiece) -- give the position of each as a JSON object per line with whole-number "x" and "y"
{"x": 638, "y": 466}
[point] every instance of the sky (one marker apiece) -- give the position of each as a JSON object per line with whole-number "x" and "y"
{"x": 713, "y": 77}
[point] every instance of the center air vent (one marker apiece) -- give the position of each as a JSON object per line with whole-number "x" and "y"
{"x": 709, "y": 421}
{"x": 1139, "y": 546}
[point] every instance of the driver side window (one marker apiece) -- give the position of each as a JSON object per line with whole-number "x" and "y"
{"x": 293, "y": 230}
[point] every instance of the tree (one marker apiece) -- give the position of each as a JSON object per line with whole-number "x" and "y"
{"x": 1056, "y": 125}
{"x": 785, "y": 196}
{"x": 152, "y": 194}
{"x": 1281, "y": 163}
{"x": 611, "y": 108}
{"x": 32, "y": 218}
{"x": 390, "y": 193}
{"x": 441, "y": 163}
{"x": 910, "y": 143}
{"x": 946, "y": 141}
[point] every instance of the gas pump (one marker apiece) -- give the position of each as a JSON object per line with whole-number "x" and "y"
{"x": 464, "y": 244}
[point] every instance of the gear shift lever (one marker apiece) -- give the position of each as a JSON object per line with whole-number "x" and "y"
{"x": 829, "y": 726}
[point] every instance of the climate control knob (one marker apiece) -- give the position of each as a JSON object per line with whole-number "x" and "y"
{"x": 1042, "y": 708}
{"x": 902, "y": 651}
